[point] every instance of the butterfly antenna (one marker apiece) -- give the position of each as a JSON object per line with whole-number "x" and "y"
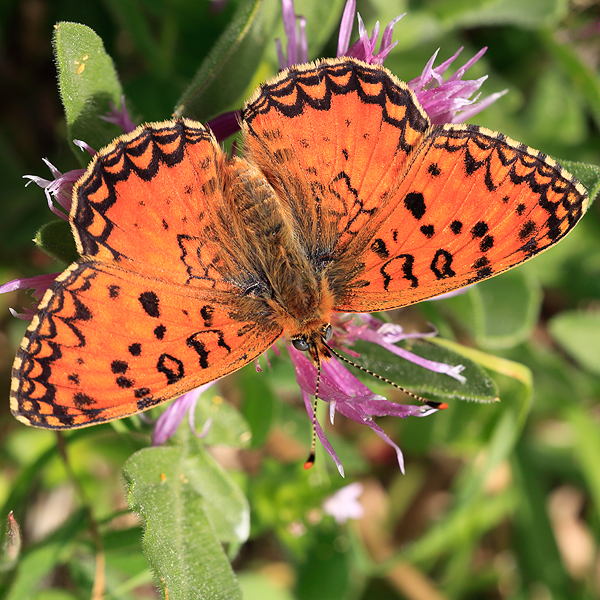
{"x": 311, "y": 457}
{"x": 431, "y": 403}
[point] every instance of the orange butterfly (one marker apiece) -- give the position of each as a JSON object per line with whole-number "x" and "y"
{"x": 347, "y": 200}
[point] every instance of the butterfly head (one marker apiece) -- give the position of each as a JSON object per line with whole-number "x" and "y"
{"x": 315, "y": 342}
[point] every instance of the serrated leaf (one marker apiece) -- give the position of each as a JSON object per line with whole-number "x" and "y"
{"x": 55, "y": 238}
{"x": 187, "y": 504}
{"x": 579, "y": 334}
{"x": 227, "y": 71}
{"x": 479, "y": 387}
{"x": 87, "y": 82}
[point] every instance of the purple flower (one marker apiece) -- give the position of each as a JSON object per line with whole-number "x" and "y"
{"x": 60, "y": 187}
{"x": 119, "y": 117}
{"x": 297, "y": 46}
{"x": 364, "y": 48}
{"x": 387, "y": 334}
{"x": 349, "y": 396}
{"x": 168, "y": 423}
{"x": 344, "y": 504}
{"x": 39, "y": 284}
{"x": 225, "y": 125}
{"x": 442, "y": 99}
{"x": 445, "y": 101}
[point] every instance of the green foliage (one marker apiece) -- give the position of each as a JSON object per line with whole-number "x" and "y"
{"x": 88, "y": 83}
{"x": 534, "y": 15}
{"x": 177, "y": 490}
{"x": 478, "y": 386}
{"x": 500, "y": 312}
{"x": 227, "y": 70}
{"x": 494, "y": 491}
{"x": 579, "y": 334}
{"x": 56, "y": 239}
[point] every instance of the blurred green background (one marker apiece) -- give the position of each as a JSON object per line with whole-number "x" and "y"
{"x": 499, "y": 501}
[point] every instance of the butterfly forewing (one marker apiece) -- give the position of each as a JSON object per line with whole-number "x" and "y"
{"x": 148, "y": 202}
{"x": 400, "y": 211}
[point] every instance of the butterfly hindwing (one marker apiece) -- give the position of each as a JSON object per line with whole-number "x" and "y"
{"x": 471, "y": 204}
{"x": 107, "y": 343}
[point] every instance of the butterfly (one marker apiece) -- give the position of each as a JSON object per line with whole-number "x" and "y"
{"x": 346, "y": 199}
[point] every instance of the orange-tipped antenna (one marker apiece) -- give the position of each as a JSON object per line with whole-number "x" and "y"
{"x": 438, "y": 405}
{"x": 398, "y": 387}
{"x": 310, "y": 461}
{"x": 311, "y": 457}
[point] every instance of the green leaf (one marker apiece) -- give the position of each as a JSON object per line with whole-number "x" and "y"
{"x": 470, "y": 521}
{"x": 523, "y": 397}
{"x": 55, "y": 594}
{"x": 529, "y": 15}
{"x": 474, "y": 509}
{"x": 579, "y": 334}
{"x": 87, "y": 82}
{"x": 55, "y": 238}
{"x": 588, "y": 176}
{"x": 136, "y": 20}
{"x": 500, "y": 312}
{"x": 479, "y": 387}
{"x": 258, "y": 586}
{"x": 554, "y": 114}
{"x": 538, "y": 556}
{"x": 586, "y": 448}
{"x": 226, "y": 73}
{"x": 188, "y": 504}
{"x": 584, "y": 78}
{"x": 326, "y": 573}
